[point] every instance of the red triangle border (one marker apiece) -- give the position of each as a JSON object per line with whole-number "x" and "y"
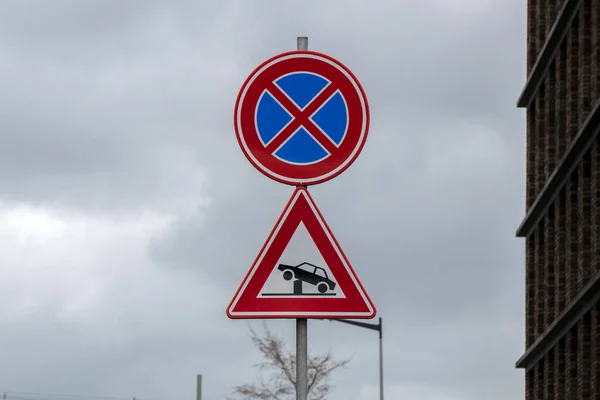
{"x": 247, "y": 305}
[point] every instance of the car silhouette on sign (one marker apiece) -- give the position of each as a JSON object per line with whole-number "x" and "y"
{"x": 308, "y": 273}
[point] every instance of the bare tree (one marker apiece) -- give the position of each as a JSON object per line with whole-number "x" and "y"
{"x": 280, "y": 364}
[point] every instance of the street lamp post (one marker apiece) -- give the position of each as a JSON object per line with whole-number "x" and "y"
{"x": 376, "y": 327}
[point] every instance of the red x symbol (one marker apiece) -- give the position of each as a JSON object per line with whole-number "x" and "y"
{"x": 301, "y": 118}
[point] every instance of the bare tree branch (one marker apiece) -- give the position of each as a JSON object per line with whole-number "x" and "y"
{"x": 280, "y": 364}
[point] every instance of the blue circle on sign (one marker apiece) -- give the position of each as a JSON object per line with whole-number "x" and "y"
{"x": 330, "y": 118}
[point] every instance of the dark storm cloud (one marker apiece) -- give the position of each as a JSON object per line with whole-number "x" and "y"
{"x": 130, "y": 106}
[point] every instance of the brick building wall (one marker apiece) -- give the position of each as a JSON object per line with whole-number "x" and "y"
{"x": 562, "y": 223}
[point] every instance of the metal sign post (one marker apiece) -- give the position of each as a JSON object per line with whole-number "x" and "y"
{"x": 301, "y": 118}
{"x": 302, "y": 323}
{"x": 301, "y": 359}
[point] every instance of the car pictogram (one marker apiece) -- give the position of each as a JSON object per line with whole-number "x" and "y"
{"x": 309, "y": 273}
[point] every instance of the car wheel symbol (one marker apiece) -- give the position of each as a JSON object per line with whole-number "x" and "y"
{"x": 288, "y": 275}
{"x": 322, "y": 287}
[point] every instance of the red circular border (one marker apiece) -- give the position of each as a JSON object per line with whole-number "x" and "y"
{"x": 279, "y": 170}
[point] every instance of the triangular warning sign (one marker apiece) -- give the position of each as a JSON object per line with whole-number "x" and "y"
{"x": 301, "y": 271}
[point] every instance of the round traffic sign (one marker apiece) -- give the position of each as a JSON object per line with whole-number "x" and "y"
{"x": 301, "y": 118}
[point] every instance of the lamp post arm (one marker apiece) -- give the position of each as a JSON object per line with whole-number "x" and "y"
{"x": 375, "y": 327}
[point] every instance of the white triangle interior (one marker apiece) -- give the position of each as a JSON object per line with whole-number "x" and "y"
{"x": 301, "y": 249}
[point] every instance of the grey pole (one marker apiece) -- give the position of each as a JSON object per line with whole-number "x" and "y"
{"x": 302, "y": 42}
{"x": 376, "y": 327}
{"x": 380, "y": 359}
{"x": 199, "y": 387}
{"x": 301, "y": 359}
{"x": 302, "y": 323}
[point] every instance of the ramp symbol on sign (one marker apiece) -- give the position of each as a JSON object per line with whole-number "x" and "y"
{"x": 306, "y": 273}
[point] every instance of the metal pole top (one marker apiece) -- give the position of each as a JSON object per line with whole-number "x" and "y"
{"x": 302, "y": 43}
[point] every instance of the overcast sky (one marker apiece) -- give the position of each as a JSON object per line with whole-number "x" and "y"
{"x": 129, "y": 215}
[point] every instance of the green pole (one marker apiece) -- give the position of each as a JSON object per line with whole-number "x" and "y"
{"x": 199, "y": 388}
